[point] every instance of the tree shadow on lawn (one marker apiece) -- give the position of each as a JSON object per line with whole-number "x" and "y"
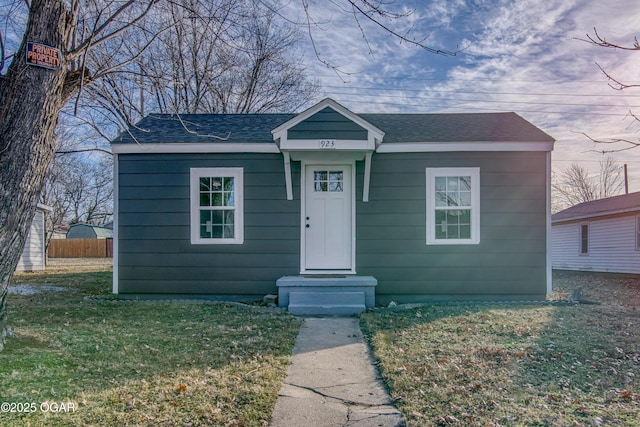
{"x": 510, "y": 364}
{"x": 142, "y": 363}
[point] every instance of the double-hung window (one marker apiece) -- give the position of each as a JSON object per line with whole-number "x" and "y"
{"x": 584, "y": 238}
{"x": 216, "y": 206}
{"x": 453, "y": 206}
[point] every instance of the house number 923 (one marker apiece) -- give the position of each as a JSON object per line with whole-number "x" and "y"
{"x": 327, "y": 143}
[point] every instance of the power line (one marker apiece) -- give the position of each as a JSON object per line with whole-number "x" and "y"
{"x": 480, "y": 92}
{"x": 490, "y": 100}
{"x": 456, "y": 79}
{"x": 587, "y": 113}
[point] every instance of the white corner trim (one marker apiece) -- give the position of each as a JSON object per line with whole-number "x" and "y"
{"x": 437, "y": 147}
{"x": 116, "y": 221}
{"x": 287, "y": 174}
{"x": 367, "y": 176}
{"x": 203, "y": 147}
{"x": 548, "y": 224}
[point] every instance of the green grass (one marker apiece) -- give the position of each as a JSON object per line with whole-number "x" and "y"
{"x": 510, "y": 365}
{"x": 140, "y": 363}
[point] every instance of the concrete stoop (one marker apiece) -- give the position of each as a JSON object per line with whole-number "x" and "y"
{"x": 328, "y": 296}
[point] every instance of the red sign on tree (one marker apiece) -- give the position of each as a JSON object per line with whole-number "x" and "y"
{"x": 43, "y": 56}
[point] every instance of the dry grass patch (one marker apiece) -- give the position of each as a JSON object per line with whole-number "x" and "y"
{"x": 140, "y": 363}
{"x": 513, "y": 365}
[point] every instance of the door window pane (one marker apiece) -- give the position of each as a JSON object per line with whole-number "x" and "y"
{"x": 328, "y": 181}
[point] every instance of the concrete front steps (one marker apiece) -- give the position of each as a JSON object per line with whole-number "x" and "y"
{"x": 326, "y": 296}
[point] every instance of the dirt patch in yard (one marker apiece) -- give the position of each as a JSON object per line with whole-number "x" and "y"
{"x": 612, "y": 289}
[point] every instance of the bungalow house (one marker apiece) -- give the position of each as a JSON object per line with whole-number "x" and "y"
{"x": 33, "y": 256}
{"x": 332, "y": 208}
{"x": 601, "y": 235}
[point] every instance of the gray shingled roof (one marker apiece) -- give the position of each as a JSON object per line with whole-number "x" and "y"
{"x": 256, "y": 128}
{"x": 611, "y": 205}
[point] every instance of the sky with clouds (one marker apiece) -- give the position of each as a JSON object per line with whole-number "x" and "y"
{"x": 518, "y": 55}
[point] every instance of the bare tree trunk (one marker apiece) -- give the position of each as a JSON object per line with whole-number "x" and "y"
{"x": 30, "y": 100}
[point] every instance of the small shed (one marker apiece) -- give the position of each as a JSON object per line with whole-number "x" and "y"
{"x": 33, "y": 256}
{"x": 89, "y": 231}
{"x": 601, "y": 235}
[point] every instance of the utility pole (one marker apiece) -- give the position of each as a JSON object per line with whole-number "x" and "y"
{"x": 626, "y": 180}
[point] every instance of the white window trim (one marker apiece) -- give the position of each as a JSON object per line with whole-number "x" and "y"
{"x": 194, "y": 183}
{"x": 431, "y": 174}
{"x": 582, "y": 224}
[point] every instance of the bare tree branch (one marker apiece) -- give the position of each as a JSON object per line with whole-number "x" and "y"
{"x": 612, "y": 141}
{"x": 84, "y": 150}
{"x": 598, "y": 40}
{"x": 92, "y": 42}
{"x": 574, "y": 185}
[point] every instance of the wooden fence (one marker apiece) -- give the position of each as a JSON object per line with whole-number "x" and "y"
{"x": 80, "y": 248}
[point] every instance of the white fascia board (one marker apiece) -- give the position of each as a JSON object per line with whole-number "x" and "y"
{"x": 327, "y": 144}
{"x": 596, "y": 215}
{"x": 281, "y": 131}
{"x": 200, "y": 147}
{"x": 438, "y": 147}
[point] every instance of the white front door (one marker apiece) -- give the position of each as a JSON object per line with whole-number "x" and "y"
{"x": 327, "y": 218}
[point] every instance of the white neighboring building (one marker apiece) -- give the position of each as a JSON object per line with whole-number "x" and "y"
{"x": 602, "y": 235}
{"x": 33, "y": 255}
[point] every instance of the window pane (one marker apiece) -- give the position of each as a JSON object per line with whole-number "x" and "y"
{"x": 320, "y": 181}
{"x": 205, "y": 184}
{"x": 441, "y": 183}
{"x": 216, "y": 183}
{"x": 320, "y": 175}
{"x": 465, "y": 216}
{"x": 205, "y": 224}
{"x": 228, "y": 184}
{"x": 335, "y": 181}
{"x": 216, "y": 199}
{"x": 229, "y": 200}
{"x": 452, "y": 183}
{"x": 465, "y": 183}
{"x": 228, "y": 219}
{"x": 453, "y": 224}
{"x": 465, "y": 198}
{"x": 216, "y": 232}
{"x": 205, "y": 199}
{"x": 441, "y": 198}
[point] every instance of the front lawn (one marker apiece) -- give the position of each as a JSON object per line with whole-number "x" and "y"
{"x": 516, "y": 365}
{"x": 81, "y": 358}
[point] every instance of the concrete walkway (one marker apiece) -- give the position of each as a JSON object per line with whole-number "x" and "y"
{"x": 332, "y": 381}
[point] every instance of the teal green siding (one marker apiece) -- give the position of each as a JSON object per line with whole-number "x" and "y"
{"x": 155, "y": 252}
{"x": 327, "y": 124}
{"x": 156, "y": 256}
{"x": 510, "y": 260}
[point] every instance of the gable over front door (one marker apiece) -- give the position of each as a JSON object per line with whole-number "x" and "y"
{"x": 327, "y": 219}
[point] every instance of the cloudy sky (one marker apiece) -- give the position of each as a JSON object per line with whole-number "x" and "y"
{"x": 516, "y": 55}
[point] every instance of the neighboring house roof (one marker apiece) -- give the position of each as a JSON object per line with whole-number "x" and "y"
{"x": 626, "y": 203}
{"x": 256, "y": 128}
{"x": 88, "y": 231}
